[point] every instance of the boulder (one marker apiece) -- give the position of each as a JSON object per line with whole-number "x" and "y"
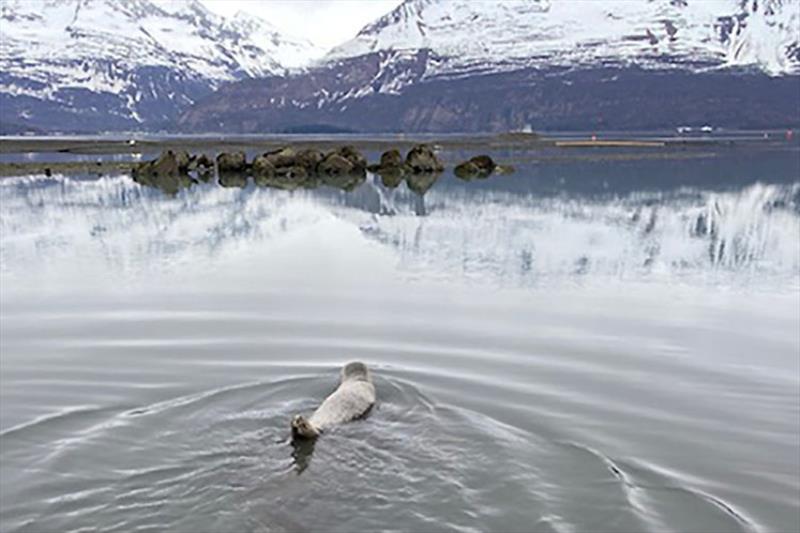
{"x": 421, "y": 158}
{"x": 200, "y": 162}
{"x": 183, "y": 159}
{"x": 354, "y": 156}
{"x": 262, "y": 167}
{"x": 169, "y": 163}
{"x": 232, "y": 162}
{"x": 283, "y": 157}
{"x": 309, "y": 159}
{"x": 392, "y": 168}
{"x": 335, "y": 164}
{"x": 391, "y": 159}
{"x": 484, "y": 163}
{"x": 480, "y": 166}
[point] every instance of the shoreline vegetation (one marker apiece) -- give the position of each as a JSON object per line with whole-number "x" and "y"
{"x": 450, "y": 151}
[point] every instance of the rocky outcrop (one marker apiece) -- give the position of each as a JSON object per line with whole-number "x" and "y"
{"x": 288, "y": 168}
{"x": 290, "y": 164}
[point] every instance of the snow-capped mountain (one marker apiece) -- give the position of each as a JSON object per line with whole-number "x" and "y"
{"x": 111, "y": 64}
{"x": 466, "y": 35}
{"x": 491, "y": 65}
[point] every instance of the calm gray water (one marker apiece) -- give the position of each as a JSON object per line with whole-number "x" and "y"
{"x": 575, "y": 347}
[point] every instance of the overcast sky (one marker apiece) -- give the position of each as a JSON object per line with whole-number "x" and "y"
{"x": 323, "y": 22}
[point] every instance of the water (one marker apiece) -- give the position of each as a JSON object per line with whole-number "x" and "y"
{"x": 578, "y": 346}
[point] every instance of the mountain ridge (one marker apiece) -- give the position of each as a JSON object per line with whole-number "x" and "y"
{"x": 124, "y": 64}
{"x": 518, "y": 64}
{"x": 693, "y": 34}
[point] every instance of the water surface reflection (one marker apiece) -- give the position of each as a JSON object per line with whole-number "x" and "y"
{"x": 580, "y": 358}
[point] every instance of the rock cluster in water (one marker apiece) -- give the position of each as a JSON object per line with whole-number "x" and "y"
{"x": 288, "y": 168}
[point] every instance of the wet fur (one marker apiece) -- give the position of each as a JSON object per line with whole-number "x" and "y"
{"x": 354, "y": 397}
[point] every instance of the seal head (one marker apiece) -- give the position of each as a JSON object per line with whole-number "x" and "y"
{"x": 356, "y": 371}
{"x": 303, "y": 428}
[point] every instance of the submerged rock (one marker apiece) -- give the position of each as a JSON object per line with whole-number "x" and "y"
{"x": 421, "y": 159}
{"x": 232, "y": 162}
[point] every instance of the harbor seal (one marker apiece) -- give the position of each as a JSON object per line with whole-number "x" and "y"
{"x": 352, "y": 399}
